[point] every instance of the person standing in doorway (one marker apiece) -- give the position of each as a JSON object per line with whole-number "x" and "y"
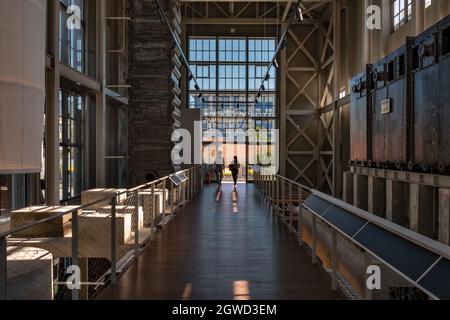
{"x": 234, "y": 168}
{"x": 218, "y": 168}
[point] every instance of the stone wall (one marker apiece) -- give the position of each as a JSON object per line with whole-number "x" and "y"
{"x": 153, "y": 112}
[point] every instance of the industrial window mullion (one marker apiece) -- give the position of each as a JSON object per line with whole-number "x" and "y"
{"x": 247, "y": 110}
{"x": 217, "y": 81}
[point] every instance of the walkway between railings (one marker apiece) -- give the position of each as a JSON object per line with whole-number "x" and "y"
{"x": 223, "y": 245}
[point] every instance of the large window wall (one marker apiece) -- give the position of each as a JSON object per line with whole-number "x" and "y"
{"x": 71, "y": 145}
{"x": 230, "y": 71}
{"x": 72, "y": 36}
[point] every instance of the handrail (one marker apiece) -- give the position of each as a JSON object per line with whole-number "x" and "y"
{"x": 295, "y": 183}
{"x": 83, "y": 207}
{"x": 267, "y": 190}
{"x": 422, "y": 241}
{"x": 184, "y": 191}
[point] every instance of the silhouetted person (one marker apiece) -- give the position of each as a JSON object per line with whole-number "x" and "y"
{"x": 234, "y": 168}
{"x": 218, "y": 168}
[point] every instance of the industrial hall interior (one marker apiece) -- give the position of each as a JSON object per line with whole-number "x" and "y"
{"x": 224, "y": 150}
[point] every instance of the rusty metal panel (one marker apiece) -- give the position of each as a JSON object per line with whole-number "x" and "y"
{"x": 388, "y": 119}
{"x": 395, "y": 142}
{"x": 444, "y": 97}
{"x": 426, "y": 112}
{"x": 426, "y": 101}
{"x": 407, "y": 93}
{"x": 444, "y": 113}
{"x": 395, "y": 119}
{"x": 358, "y": 116}
{"x": 379, "y": 94}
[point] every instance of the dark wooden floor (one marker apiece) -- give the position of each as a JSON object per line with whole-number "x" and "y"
{"x": 223, "y": 246}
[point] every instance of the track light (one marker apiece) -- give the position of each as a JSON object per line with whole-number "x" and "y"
{"x": 298, "y": 12}
{"x": 256, "y": 101}
{"x": 275, "y": 63}
{"x": 203, "y": 100}
{"x": 176, "y": 41}
{"x": 281, "y": 45}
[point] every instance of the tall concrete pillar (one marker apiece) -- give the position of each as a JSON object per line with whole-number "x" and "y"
{"x": 360, "y": 190}
{"x": 52, "y": 108}
{"x": 397, "y": 203}
{"x": 444, "y": 216}
{"x": 377, "y": 196}
{"x": 444, "y": 9}
{"x": 422, "y": 208}
{"x": 101, "y": 97}
{"x": 419, "y": 15}
{"x": 348, "y": 187}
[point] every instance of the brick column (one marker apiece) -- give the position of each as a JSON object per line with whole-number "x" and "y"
{"x": 154, "y": 100}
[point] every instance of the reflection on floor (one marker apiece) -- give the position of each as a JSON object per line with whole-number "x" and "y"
{"x": 224, "y": 245}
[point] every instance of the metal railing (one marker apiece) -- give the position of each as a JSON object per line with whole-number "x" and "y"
{"x": 283, "y": 195}
{"x": 286, "y": 198}
{"x": 116, "y": 227}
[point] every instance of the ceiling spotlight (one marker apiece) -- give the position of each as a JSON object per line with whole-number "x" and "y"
{"x": 298, "y": 12}
{"x": 256, "y": 101}
{"x": 200, "y": 95}
{"x": 275, "y": 63}
{"x": 197, "y": 87}
{"x": 203, "y": 100}
{"x": 259, "y": 94}
{"x": 284, "y": 43}
{"x": 263, "y": 88}
{"x": 267, "y": 77}
{"x": 190, "y": 77}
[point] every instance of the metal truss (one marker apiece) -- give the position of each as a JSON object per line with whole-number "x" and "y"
{"x": 229, "y": 12}
{"x": 308, "y": 87}
{"x": 307, "y": 81}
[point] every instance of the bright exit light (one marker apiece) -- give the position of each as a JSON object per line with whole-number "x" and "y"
{"x": 241, "y": 290}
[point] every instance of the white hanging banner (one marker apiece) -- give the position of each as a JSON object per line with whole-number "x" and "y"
{"x": 22, "y": 84}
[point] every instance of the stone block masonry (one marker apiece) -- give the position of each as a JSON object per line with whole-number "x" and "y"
{"x": 151, "y": 96}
